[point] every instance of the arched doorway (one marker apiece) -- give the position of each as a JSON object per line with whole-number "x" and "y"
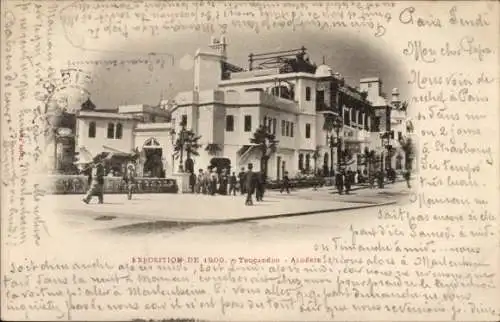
{"x": 220, "y": 164}
{"x": 153, "y": 165}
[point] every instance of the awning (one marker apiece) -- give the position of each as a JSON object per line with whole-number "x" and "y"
{"x": 115, "y": 153}
{"x": 84, "y": 156}
{"x": 244, "y": 152}
{"x": 113, "y": 150}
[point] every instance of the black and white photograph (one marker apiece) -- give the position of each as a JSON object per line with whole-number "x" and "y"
{"x": 249, "y": 160}
{"x": 282, "y": 134}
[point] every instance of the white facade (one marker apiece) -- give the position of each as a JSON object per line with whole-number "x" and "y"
{"x": 125, "y": 130}
{"x": 226, "y": 111}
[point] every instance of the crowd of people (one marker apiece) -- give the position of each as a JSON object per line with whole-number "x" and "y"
{"x": 247, "y": 182}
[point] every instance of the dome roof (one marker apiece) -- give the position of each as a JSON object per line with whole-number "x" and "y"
{"x": 323, "y": 70}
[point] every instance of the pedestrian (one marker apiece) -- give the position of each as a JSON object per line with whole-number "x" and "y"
{"x": 392, "y": 174}
{"x": 371, "y": 179}
{"x": 129, "y": 178}
{"x": 232, "y": 184}
{"x": 206, "y": 182}
{"x": 192, "y": 181}
{"x": 241, "y": 179}
{"x": 213, "y": 182}
{"x": 260, "y": 186}
{"x": 360, "y": 178}
{"x": 199, "y": 181}
{"x": 223, "y": 182}
{"x": 347, "y": 181}
{"x": 285, "y": 183}
{"x": 97, "y": 182}
{"x": 407, "y": 178}
{"x": 249, "y": 184}
{"x": 339, "y": 182}
{"x": 380, "y": 178}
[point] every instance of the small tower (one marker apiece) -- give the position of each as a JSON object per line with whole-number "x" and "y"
{"x": 219, "y": 45}
{"x": 395, "y": 98}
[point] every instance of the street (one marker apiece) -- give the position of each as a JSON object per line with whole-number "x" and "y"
{"x": 303, "y": 214}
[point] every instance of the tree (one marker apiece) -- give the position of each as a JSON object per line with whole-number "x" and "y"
{"x": 316, "y": 156}
{"x": 328, "y": 125}
{"x": 404, "y": 106}
{"x": 266, "y": 142}
{"x": 186, "y": 141}
{"x": 407, "y": 145}
{"x": 409, "y": 151}
{"x": 213, "y": 148}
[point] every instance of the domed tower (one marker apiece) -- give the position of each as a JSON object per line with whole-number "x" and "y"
{"x": 323, "y": 71}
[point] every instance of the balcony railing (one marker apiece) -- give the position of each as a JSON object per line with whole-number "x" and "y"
{"x": 323, "y": 107}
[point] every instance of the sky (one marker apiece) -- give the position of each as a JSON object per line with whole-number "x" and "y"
{"x": 354, "y": 55}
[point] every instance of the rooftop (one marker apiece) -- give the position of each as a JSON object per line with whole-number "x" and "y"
{"x": 286, "y": 61}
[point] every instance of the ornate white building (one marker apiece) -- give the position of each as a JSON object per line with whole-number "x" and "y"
{"x": 284, "y": 91}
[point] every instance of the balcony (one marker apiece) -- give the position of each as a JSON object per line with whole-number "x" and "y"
{"x": 355, "y": 135}
{"x": 262, "y": 99}
{"x": 323, "y": 107}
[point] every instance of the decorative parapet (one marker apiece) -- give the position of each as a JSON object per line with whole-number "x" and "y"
{"x": 164, "y": 126}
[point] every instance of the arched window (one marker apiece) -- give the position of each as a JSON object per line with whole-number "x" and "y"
{"x": 282, "y": 91}
{"x": 399, "y": 163}
{"x": 301, "y": 161}
{"x": 308, "y": 93}
{"x": 151, "y": 143}
{"x": 308, "y": 162}
{"x": 360, "y": 118}
{"x": 92, "y": 130}
{"x": 111, "y": 130}
{"x": 119, "y": 131}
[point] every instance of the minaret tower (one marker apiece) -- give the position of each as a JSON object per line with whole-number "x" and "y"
{"x": 219, "y": 45}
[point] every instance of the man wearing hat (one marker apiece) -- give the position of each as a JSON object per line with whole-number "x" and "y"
{"x": 250, "y": 184}
{"x": 129, "y": 179}
{"x": 96, "y": 182}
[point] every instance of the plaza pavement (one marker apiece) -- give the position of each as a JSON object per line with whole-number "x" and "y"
{"x": 204, "y": 209}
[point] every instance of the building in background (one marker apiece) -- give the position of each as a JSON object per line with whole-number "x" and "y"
{"x": 127, "y": 130}
{"x": 293, "y": 98}
{"x": 288, "y": 94}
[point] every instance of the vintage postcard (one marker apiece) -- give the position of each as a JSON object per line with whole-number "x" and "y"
{"x": 250, "y": 160}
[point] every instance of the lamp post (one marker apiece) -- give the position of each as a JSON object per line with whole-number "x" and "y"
{"x": 181, "y": 140}
{"x": 331, "y": 143}
{"x": 337, "y": 126}
{"x": 385, "y": 138}
{"x": 385, "y": 141}
{"x": 172, "y": 140}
